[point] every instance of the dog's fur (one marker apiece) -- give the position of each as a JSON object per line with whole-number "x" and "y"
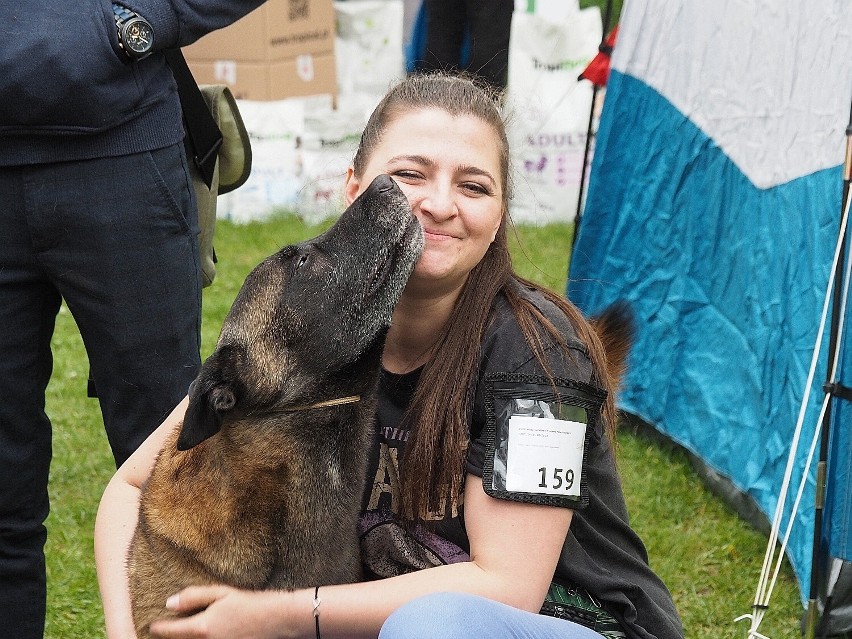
{"x": 260, "y": 488}
{"x": 615, "y": 326}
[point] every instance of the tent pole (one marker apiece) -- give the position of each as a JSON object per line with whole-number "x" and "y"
{"x": 595, "y": 88}
{"x": 830, "y": 387}
{"x": 585, "y": 165}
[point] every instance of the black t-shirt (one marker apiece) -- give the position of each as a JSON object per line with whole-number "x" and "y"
{"x": 601, "y": 553}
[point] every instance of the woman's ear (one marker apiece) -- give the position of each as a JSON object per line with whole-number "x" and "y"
{"x": 353, "y": 185}
{"x": 503, "y": 220}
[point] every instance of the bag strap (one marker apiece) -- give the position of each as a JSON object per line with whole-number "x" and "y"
{"x": 203, "y": 135}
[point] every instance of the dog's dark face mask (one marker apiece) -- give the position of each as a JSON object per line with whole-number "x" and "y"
{"x": 311, "y": 319}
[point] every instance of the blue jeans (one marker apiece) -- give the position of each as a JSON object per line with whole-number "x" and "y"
{"x": 116, "y": 238}
{"x": 462, "y": 616}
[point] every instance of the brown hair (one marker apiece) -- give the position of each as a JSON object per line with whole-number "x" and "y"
{"x": 433, "y": 463}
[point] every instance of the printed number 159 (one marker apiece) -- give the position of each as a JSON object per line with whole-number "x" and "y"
{"x": 559, "y": 479}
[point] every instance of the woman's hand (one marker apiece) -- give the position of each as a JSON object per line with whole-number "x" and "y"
{"x": 222, "y": 611}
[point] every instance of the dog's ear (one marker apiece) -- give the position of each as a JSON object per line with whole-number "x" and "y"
{"x": 203, "y": 417}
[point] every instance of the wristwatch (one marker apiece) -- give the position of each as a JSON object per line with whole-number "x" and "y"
{"x": 135, "y": 34}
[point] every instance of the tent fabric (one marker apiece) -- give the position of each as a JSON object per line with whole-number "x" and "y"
{"x": 713, "y": 209}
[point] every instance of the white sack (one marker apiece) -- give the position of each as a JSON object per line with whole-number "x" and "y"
{"x": 274, "y": 127}
{"x": 368, "y": 48}
{"x": 548, "y": 111}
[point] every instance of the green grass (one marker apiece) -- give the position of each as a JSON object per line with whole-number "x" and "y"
{"x": 708, "y": 556}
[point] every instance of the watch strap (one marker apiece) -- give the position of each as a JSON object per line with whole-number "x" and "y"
{"x": 122, "y": 14}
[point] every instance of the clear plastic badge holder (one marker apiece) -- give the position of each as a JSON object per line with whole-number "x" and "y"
{"x": 538, "y": 438}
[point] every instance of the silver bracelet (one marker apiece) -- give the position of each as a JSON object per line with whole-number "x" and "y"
{"x": 317, "y": 602}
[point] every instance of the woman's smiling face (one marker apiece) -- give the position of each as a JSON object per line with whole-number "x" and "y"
{"x": 449, "y": 168}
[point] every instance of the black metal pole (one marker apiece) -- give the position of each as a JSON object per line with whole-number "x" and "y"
{"x": 582, "y": 190}
{"x": 818, "y": 563}
{"x": 595, "y": 89}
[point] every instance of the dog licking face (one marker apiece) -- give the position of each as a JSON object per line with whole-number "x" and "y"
{"x": 309, "y": 313}
{"x": 261, "y": 487}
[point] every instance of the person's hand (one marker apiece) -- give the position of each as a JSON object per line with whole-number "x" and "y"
{"x": 223, "y": 612}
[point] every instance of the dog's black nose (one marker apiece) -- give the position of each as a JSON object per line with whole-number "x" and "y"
{"x": 383, "y": 183}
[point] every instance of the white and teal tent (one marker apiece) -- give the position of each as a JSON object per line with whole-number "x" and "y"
{"x": 714, "y": 208}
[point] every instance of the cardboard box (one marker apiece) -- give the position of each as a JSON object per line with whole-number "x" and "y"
{"x": 277, "y": 30}
{"x": 302, "y": 75}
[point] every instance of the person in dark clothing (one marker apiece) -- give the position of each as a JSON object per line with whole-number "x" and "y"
{"x": 469, "y": 35}
{"x": 97, "y": 211}
{"x": 492, "y": 505}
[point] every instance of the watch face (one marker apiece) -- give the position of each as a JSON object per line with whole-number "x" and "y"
{"x": 138, "y": 36}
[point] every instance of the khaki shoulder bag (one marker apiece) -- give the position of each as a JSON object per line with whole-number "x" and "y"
{"x": 218, "y": 146}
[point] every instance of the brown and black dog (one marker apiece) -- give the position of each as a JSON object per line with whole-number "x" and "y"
{"x": 261, "y": 486}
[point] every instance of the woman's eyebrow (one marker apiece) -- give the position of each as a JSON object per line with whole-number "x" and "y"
{"x": 422, "y": 160}
{"x": 475, "y": 170}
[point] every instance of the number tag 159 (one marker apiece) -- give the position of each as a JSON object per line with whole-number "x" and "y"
{"x": 545, "y": 456}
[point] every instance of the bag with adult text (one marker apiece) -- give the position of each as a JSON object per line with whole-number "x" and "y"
{"x": 549, "y": 110}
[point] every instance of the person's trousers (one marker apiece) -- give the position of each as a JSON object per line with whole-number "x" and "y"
{"x": 115, "y": 238}
{"x": 488, "y": 23}
{"x": 452, "y": 615}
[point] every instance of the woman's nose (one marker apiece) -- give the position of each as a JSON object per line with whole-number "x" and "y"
{"x": 439, "y": 203}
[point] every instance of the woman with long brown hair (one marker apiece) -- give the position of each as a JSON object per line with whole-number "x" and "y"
{"x": 493, "y": 505}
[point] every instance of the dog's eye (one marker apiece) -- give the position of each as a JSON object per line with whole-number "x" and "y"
{"x": 303, "y": 259}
